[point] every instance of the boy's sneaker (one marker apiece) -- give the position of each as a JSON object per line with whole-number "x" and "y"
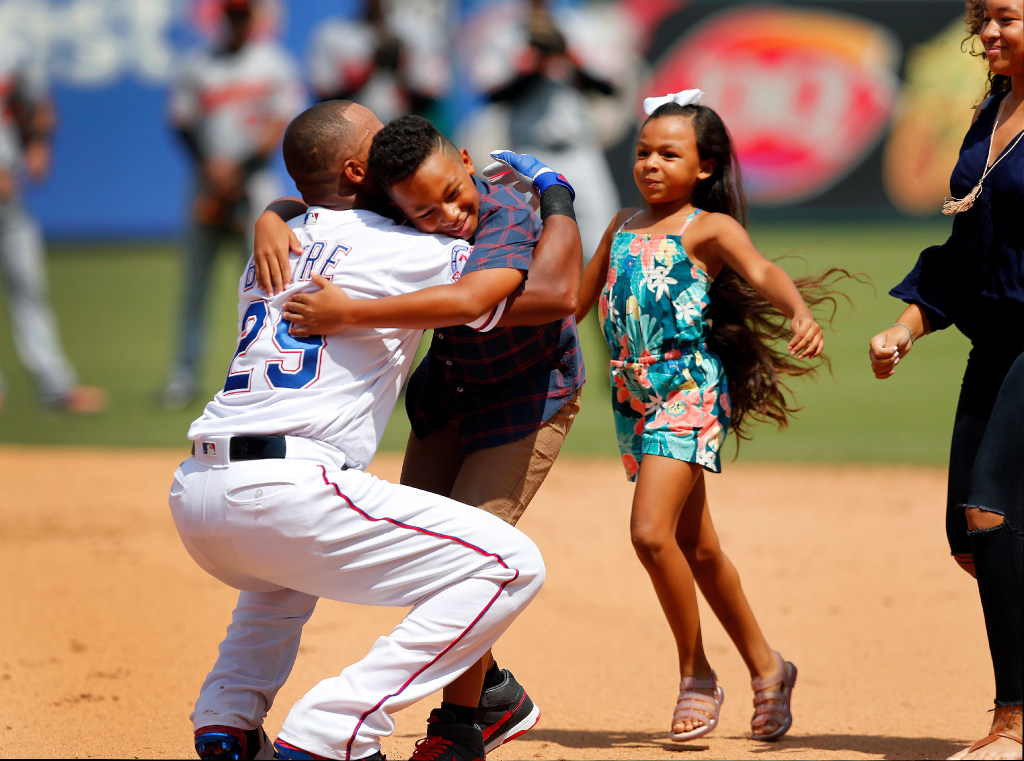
{"x": 505, "y": 712}
{"x": 233, "y": 744}
{"x": 447, "y": 740}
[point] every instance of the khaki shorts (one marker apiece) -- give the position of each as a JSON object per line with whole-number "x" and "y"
{"x": 501, "y": 480}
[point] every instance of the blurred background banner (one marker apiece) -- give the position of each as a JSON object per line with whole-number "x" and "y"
{"x": 817, "y": 96}
{"x": 816, "y": 93}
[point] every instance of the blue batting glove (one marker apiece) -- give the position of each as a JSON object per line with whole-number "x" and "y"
{"x": 524, "y": 172}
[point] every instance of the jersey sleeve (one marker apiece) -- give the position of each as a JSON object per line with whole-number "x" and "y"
{"x": 419, "y": 268}
{"x": 489, "y": 322}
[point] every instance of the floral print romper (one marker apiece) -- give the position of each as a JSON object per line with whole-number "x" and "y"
{"x": 669, "y": 393}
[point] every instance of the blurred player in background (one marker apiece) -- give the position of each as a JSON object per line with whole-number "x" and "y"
{"x": 230, "y": 106}
{"x": 548, "y": 100}
{"x": 27, "y": 119}
{"x": 392, "y": 60}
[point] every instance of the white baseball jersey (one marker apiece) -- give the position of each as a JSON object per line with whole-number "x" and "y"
{"x": 338, "y": 389}
{"x": 229, "y": 98}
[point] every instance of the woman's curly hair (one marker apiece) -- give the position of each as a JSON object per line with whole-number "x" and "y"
{"x": 974, "y": 20}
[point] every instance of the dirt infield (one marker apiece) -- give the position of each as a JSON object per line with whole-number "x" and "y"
{"x": 111, "y": 628}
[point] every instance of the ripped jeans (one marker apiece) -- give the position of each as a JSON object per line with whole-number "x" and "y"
{"x": 986, "y": 471}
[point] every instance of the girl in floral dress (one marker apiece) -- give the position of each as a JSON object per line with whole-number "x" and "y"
{"x": 692, "y": 313}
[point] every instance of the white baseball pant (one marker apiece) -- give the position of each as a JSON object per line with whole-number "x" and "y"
{"x": 289, "y": 531}
{"x": 33, "y": 323}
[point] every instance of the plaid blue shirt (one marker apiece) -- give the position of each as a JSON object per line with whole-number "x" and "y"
{"x": 505, "y": 384}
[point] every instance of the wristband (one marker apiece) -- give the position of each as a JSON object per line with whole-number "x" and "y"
{"x": 556, "y": 199}
{"x": 911, "y": 332}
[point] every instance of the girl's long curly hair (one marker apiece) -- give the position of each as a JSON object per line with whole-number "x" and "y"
{"x": 747, "y": 332}
{"x": 974, "y": 20}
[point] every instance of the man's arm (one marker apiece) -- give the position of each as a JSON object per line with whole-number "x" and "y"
{"x": 470, "y": 301}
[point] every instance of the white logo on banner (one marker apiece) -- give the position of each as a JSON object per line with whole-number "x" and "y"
{"x": 94, "y": 43}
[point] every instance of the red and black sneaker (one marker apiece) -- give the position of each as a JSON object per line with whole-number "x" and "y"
{"x": 505, "y": 712}
{"x": 448, "y": 740}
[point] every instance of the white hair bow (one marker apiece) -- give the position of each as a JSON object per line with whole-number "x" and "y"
{"x": 683, "y": 98}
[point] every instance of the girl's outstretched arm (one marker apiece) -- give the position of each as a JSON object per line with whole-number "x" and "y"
{"x": 596, "y": 271}
{"x": 732, "y": 243}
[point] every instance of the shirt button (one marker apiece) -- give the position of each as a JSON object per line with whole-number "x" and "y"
{"x": 458, "y": 389}
{"x": 440, "y": 336}
{"x": 448, "y": 362}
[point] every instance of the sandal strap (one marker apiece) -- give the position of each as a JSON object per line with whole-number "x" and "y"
{"x": 694, "y": 705}
{"x": 767, "y": 709}
{"x": 992, "y": 738}
{"x": 692, "y": 683}
{"x": 768, "y": 714}
{"x": 772, "y": 703}
{"x": 760, "y": 684}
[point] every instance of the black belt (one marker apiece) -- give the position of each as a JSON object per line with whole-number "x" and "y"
{"x": 255, "y": 448}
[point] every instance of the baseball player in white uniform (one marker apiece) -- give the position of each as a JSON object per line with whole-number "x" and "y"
{"x": 230, "y": 105}
{"x": 26, "y": 121}
{"x": 394, "y": 59}
{"x": 275, "y": 500}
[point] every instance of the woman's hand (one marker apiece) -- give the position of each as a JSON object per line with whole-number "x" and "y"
{"x": 273, "y": 242}
{"x": 318, "y": 313}
{"x": 808, "y": 338}
{"x": 887, "y": 348}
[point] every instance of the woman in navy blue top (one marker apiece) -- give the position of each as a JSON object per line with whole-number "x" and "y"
{"x": 975, "y": 281}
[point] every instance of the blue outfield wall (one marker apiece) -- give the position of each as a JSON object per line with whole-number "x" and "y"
{"x": 119, "y": 173}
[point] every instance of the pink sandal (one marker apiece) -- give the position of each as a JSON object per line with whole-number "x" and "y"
{"x": 696, "y": 706}
{"x": 772, "y": 707}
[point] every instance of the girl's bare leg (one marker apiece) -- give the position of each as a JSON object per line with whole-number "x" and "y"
{"x": 719, "y": 582}
{"x": 663, "y": 488}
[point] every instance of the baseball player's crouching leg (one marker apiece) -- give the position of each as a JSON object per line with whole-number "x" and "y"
{"x": 466, "y": 574}
{"x": 275, "y": 527}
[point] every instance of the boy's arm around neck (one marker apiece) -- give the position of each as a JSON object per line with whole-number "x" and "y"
{"x": 273, "y": 240}
{"x": 329, "y": 310}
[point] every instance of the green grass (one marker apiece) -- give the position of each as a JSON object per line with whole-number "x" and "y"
{"x": 116, "y": 305}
